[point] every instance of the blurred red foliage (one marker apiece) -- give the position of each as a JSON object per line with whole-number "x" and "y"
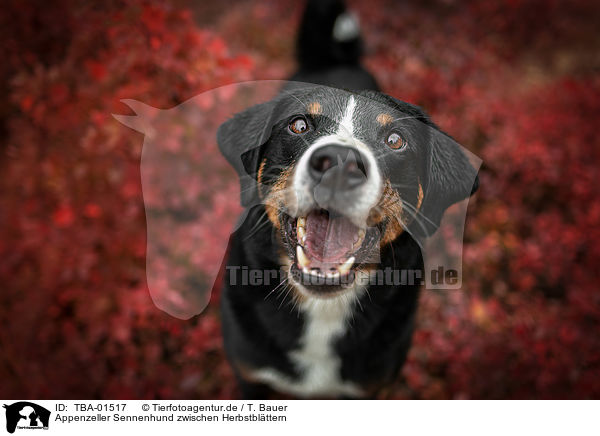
{"x": 515, "y": 82}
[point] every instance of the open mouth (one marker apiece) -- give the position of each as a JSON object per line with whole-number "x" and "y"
{"x": 327, "y": 249}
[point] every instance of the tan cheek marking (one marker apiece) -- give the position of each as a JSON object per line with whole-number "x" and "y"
{"x": 279, "y": 196}
{"x": 315, "y": 108}
{"x": 384, "y": 119}
{"x": 259, "y": 177}
{"x": 391, "y": 207}
{"x": 420, "y": 197}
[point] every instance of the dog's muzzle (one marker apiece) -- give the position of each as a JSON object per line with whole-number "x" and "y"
{"x": 337, "y": 184}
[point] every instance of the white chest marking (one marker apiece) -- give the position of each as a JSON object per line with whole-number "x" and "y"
{"x": 315, "y": 359}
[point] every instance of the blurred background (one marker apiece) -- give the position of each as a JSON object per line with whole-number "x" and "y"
{"x": 516, "y": 82}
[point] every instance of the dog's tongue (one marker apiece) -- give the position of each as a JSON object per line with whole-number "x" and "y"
{"x": 328, "y": 238}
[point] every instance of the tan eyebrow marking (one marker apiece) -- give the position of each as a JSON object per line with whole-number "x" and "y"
{"x": 384, "y": 119}
{"x": 315, "y": 108}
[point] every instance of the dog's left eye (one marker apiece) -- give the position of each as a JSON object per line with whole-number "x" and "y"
{"x": 395, "y": 141}
{"x": 298, "y": 125}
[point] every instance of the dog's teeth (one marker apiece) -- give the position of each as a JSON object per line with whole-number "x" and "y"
{"x": 305, "y": 270}
{"x": 301, "y": 231}
{"x": 301, "y": 234}
{"x": 302, "y": 259}
{"x": 360, "y": 237}
{"x": 345, "y": 267}
{"x": 332, "y": 274}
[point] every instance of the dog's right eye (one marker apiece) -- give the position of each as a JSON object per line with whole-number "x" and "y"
{"x": 298, "y": 125}
{"x": 395, "y": 141}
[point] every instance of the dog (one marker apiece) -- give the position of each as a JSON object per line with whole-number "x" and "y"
{"x": 331, "y": 178}
{"x": 339, "y": 182}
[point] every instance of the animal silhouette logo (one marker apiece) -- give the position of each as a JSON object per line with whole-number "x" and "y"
{"x": 26, "y": 415}
{"x": 190, "y": 192}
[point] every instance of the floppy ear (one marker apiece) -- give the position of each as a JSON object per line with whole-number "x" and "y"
{"x": 240, "y": 140}
{"x": 449, "y": 178}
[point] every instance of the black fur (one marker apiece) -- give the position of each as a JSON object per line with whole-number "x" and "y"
{"x": 322, "y": 59}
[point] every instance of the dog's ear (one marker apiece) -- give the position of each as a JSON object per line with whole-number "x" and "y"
{"x": 240, "y": 140}
{"x": 449, "y": 178}
{"x": 447, "y": 175}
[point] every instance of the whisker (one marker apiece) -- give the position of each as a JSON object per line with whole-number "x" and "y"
{"x": 412, "y": 117}
{"x": 368, "y": 294}
{"x": 418, "y": 212}
{"x": 294, "y": 96}
{"x": 276, "y": 287}
{"x": 289, "y": 288}
{"x": 393, "y": 254}
{"x": 260, "y": 223}
{"x": 412, "y": 208}
{"x": 348, "y": 302}
{"x": 417, "y": 217}
{"x": 357, "y": 299}
{"x": 296, "y": 300}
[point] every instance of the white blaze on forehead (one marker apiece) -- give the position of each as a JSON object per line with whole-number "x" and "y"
{"x": 346, "y": 127}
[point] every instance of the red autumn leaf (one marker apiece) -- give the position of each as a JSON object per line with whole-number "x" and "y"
{"x": 63, "y": 216}
{"x": 96, "y": 69}
{"x": 92, "y": 210}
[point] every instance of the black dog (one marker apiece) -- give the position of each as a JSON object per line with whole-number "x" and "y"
{"x": 339, "y": 186}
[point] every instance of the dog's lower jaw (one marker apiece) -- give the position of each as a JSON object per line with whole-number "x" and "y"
{"x": 353, "y": 291}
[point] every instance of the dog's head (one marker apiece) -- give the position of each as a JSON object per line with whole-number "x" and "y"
{"x": 343, "y": 174}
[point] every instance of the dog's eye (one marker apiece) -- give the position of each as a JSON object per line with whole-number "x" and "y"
{"x": 395, "y": 141}
{"x": 298, "y": 125}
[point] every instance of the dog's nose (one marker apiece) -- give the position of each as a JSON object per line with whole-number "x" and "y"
{"x": 338, "y": 167}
